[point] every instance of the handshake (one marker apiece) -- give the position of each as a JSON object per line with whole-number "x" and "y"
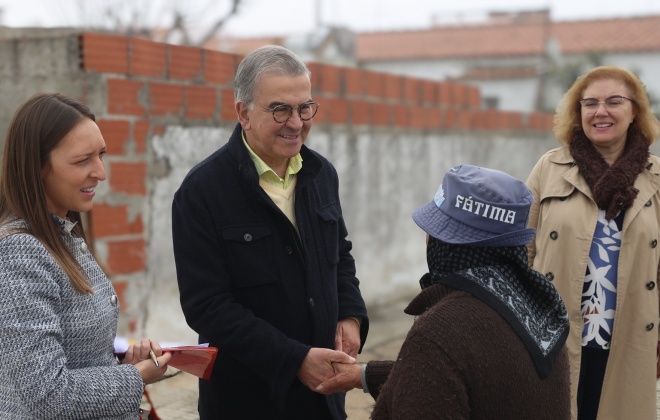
{"x": 330, "y": 371}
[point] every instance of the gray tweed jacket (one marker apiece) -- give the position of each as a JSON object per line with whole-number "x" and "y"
{"x": 56, "y": 345}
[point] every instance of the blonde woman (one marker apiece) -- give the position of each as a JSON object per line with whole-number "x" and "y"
{"x": 596, "y": 212}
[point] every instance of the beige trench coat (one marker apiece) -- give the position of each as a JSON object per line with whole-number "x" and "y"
{"x": 564, "y": 215}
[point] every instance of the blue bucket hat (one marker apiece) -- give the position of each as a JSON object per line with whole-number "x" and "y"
{"x": 480, "y": 207}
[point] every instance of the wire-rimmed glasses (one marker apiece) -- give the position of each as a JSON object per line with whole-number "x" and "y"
{"x": 282, "y": 113}
{"x": 611, "y": 103}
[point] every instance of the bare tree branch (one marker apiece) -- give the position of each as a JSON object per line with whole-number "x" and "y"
{"x": 174, "y": 21}
{"x": 220, "y": 23}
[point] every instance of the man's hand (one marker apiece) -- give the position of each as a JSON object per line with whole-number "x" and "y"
{"x": 347, "y": 377}
{"x": 347, "y": 337}
{"x": 318, "y": 366}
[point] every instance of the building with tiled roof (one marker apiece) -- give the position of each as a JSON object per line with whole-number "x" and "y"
{"x": 521, "y": 61}
{"x": 452, "y": 42}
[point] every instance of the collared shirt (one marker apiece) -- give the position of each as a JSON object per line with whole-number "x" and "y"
{"x": 268, "y": 175}
{"x": 281, "y": 191}
{"x": 65, "y": 224}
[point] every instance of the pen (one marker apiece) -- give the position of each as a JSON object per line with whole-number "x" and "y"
{"x": 153, "y": 357}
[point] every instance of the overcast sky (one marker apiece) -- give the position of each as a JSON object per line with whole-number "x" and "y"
{"x": 276, "y": 17}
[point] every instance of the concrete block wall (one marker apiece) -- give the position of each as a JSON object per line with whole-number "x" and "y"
{"x": 146, "y": 87}
{"x": 139, "y": 89}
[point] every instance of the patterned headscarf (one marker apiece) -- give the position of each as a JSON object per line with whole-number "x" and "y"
{"x": 501, "y": 278}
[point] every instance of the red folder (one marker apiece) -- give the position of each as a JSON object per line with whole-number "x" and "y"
{"x": 196, "y": 360}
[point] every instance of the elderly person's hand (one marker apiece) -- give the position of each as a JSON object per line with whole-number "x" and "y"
{"x": 347, "y": 377}
{"x": 318, "y": 365}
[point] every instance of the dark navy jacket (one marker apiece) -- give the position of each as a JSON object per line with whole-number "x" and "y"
{"x": 254, "y": 288}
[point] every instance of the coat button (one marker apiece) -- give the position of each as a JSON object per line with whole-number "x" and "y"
{"x": 114, "y": 299}
{"x": 649, "y": 326}
{"x": 554, "y": 235}
{"x": 311, "y": 302}
{"x": 83, "y": 247}
{"x": 648, "y": 203}
{"x": 650, "y": 285}
{"x": 550, "y": 276}
{"x": 247, "y": 237}
{"x": 288, "y": 250}
{"x": 654, "y": 243}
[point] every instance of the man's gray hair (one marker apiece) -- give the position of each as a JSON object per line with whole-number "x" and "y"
{"x": 266, "y": 60}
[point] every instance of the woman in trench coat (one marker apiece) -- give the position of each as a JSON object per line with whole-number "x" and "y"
{"x": 596, "y": 212}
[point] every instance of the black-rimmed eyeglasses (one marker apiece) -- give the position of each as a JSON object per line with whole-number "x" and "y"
{"x": 282, "y": 113}
{"x": 610, "y": 103}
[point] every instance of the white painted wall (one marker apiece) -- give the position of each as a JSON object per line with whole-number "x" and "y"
{"x": 384, "y": 176}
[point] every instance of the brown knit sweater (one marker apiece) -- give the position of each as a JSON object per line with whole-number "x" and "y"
{"x": 462, "y": 360}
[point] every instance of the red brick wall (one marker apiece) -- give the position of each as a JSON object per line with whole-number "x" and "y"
{"x": 149, "y": 84}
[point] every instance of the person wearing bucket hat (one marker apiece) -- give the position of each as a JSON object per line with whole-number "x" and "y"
{"x": 480, "y": 207}
{"x": 488, "y": 339}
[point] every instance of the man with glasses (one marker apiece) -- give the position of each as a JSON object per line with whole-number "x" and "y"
{"x": 263, "y": 262}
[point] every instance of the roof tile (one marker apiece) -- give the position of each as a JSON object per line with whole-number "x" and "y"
{"x": 507, "y": 40}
